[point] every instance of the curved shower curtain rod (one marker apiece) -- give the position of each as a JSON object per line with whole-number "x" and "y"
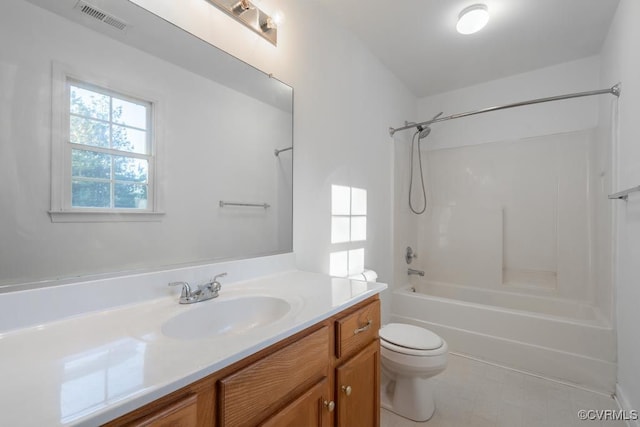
{"x": 614, "y": 90}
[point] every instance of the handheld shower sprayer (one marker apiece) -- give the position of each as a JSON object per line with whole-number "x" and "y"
{"x": 422, "y": 132}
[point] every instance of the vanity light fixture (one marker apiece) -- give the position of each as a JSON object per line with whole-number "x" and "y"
{"x": 251, "y": 16}
{"x": 472, "y": 19}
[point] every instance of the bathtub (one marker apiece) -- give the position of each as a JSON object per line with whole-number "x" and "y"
{"x": 559, "y": 339}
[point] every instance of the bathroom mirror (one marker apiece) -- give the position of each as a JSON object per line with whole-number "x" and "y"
{"x": 210, "y": 131}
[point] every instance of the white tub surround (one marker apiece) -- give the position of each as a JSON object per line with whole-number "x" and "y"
{"x": 91, "y": 368}
{"x": 516, "y": 246}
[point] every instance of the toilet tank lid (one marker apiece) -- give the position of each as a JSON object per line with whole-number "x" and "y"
{"x": 410, "y": 336}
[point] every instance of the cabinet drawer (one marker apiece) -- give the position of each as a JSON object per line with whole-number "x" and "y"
{"x": 251, "y": 394}
{"x": 357, "y": 329}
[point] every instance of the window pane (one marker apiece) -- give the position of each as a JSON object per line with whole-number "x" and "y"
{"x": 358, "y": 201}
{"x": 358, "y": 228}
{"x": 88, "y": 103}
{"x": 89, "y": 164}
{"x": 338, "y": 264}
{"x": 90, "y": 194}
{"x": 129, "y": 113}
{"x": 340, "y": 200}
{"x": 130, "y": 196}
{"x": 339, "y": 229}
{"x": 127, "y": 139}
{"x": 356, "y": 261}
{"x": 89, "y": 132}
{"x": 130, "y": 169}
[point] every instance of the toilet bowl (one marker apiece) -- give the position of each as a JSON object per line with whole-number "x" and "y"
{"x": 410, "y": 357}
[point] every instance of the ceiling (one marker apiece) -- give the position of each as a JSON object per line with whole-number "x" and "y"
{"x": 417, "y": 40}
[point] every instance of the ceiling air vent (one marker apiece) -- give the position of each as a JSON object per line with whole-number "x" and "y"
{"x": 98, "y": 14}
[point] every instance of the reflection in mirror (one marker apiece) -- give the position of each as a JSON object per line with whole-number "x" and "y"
{"x": 119, "y": 141}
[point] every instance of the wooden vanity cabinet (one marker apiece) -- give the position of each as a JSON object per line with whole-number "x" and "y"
{"x": 299, "y": 381}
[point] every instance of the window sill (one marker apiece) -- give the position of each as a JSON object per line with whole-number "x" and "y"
{"x": 102, "y": 216}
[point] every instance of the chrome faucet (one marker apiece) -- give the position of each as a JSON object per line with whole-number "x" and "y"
{"x": 204, "y": 292}
{"x": 411, "y": 271}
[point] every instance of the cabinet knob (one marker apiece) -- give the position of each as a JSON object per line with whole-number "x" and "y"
{"x": 329, "y": 405}
{"x": 347, "y": 390}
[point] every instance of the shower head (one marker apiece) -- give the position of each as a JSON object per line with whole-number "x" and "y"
{"x": 424, "y": 131}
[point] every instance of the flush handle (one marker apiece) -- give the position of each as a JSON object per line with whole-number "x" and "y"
{"x": 347, "y": 390}
{"x": 363, "y": 328}
{"x": 331, "y": 405}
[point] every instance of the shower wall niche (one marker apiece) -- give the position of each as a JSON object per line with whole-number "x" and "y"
{"x": 512, "y": 215}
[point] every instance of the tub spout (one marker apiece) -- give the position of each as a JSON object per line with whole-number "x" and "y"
{"x": 411, "y": 271}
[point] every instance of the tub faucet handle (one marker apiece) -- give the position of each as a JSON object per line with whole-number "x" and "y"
{"x": 410, "y": 255}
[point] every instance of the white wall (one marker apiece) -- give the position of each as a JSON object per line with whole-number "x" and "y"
{"x": 621, "y": 62}
{"x": 196, "y": 158}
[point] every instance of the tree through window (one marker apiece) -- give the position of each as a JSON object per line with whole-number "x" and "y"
{"x": 110, "y": 148}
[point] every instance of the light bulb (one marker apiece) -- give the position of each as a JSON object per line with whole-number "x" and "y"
{"x": 278, "y": 18}
{"x": 472, "y": 19}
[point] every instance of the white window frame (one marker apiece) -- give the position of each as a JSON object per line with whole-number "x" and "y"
{"x": 61, "y": 150}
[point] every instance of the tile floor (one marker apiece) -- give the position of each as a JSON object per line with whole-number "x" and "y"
{"x": 470, "y": 393}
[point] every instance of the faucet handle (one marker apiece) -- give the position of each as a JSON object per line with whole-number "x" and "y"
{"x": 215, "y": 278}
{"x": 215, "y": 285}
{"x": 186, "y": 289}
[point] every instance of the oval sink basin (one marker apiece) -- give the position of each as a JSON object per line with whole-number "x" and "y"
{"x": 233, "y": 316}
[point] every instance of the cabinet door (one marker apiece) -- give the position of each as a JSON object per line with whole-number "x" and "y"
{"x": 358, "y": 389}
{"x": 183, "y": 413}
{"x": 308, "y": 410}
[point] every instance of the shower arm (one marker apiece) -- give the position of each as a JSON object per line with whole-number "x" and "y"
{"x": 614, "y": 90}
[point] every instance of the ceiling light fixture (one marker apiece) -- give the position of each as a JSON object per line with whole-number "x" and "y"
{"x": 472, "y": 19}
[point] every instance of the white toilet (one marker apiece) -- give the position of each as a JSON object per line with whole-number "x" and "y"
{"x": 410, "y": 356}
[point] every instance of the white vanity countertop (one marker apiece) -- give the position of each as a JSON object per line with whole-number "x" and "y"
{"x": 90, "y": 369}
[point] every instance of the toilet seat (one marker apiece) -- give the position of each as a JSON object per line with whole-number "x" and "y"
{"x": 411, "y": 340}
